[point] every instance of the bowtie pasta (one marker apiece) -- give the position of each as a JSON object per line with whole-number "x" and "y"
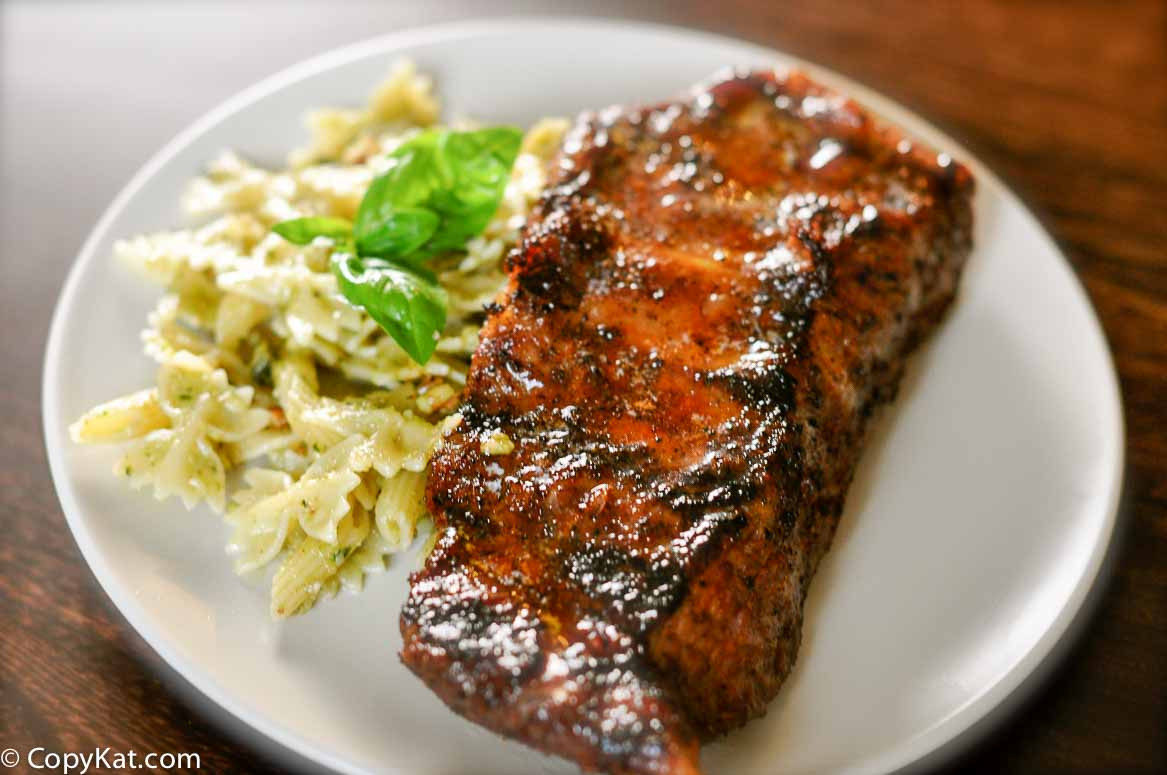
{"x": 276, "y": 401}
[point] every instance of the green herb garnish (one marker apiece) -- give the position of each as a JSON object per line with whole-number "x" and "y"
{"x": 301, "y": 231}
{"x": 441, "y": 191}
{"x": 404, "y": 301}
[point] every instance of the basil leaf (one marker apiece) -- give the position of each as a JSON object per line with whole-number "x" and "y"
{"x": 411, "y": 308}
{"x": 401, "y": 233}
{"x": 480, "y": 163}
{"x": 301, "y": 231}
{"x": 458, "y": 177}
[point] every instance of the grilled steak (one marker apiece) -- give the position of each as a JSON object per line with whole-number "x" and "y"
{"x": 711, "y": 299}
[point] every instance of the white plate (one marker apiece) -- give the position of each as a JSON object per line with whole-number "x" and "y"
{"x": 977, "y": 524}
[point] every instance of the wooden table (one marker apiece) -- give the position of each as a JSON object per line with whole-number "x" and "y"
{"x": 1066, "y": 100}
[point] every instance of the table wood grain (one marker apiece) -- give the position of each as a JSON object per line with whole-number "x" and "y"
{"x": 1067, "y": 101}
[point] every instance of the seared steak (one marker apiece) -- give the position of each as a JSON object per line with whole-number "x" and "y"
{"x": 710, "y": 301}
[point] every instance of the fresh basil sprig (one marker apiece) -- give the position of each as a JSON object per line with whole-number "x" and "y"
{"x": 441, "y": 190}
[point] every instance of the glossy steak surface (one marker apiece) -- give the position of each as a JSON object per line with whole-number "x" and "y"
{"x": 711, "y": 299}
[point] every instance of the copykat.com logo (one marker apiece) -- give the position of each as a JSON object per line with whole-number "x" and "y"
{"x": 73, "y": 763}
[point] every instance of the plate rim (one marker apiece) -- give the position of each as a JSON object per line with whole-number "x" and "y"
{"x": 940, "y": 742}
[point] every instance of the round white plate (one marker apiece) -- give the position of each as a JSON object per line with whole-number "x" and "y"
{"x": 976, "y": 526}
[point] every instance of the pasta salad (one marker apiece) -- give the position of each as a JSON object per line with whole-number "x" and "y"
{"x": 278, "y": 401}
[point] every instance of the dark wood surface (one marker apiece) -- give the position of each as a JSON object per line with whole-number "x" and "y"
{"x": 1066, "y": 100}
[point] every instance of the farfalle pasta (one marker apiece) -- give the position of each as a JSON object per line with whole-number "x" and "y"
{"x": 277, "y": 402}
